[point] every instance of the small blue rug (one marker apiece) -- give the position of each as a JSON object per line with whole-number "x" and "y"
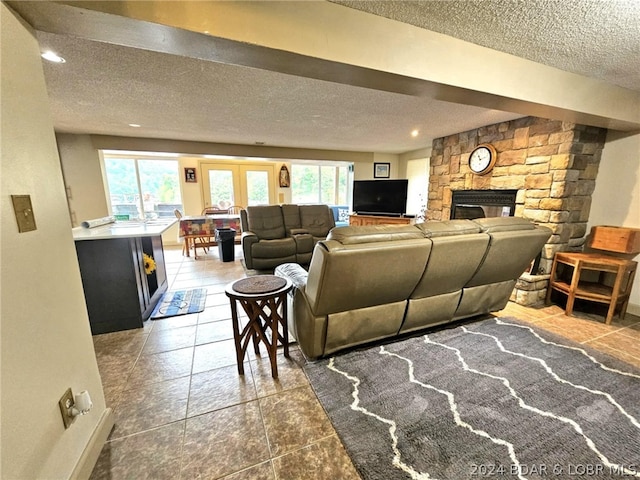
{"x": 181, "y": 302}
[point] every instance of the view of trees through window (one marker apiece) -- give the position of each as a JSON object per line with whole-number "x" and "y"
{"x": 257, "y": 187}
{"x": 143, "y": 188}
{"x": 319, "y": 184}
{"x": 221, "y": 188}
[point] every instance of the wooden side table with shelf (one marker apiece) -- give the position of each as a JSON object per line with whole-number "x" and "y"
{"x": 596, "y": 291}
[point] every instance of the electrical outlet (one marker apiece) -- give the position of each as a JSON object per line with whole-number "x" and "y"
{"x": 66, "y": 402}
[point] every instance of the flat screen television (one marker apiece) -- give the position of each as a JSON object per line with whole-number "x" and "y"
{"x": 380, "y": 197}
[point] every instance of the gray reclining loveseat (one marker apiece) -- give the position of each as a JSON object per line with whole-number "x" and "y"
{"x": 375, "y": 282}
{"x": 276, "y": 234}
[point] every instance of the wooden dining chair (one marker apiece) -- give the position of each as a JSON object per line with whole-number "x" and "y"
{"x": 198, "y": 242}
{"x": 178, "y": 215}
{"x": 234, "y": 210}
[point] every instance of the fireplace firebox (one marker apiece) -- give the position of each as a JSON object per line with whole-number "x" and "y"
{"x": 483, "y": 203}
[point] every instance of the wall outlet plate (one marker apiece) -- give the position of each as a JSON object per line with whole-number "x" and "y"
{"x": 66, "y": 402}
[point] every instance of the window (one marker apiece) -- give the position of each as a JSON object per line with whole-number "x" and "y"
{"x": 319, "y": 184}
{"x": 143, "y": 188}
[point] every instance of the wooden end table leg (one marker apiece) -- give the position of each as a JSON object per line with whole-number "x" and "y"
{"x": 272, "y": 322}
{"x": 256, "y": 336}
{"x": 614, "y": 294}
{"x": 236, "y": 337}
{"x": 285, "y": 326}
{"x": 253, "y": 313}
{"x": 571, "y": 296}
{"x": 552, "y": 279}
{"x": 627, "y": 292}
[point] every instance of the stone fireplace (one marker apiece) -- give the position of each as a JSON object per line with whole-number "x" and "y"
{"x": 550, "y": 165}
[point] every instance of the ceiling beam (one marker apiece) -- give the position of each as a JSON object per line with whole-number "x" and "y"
{"x": 330, "y": 42}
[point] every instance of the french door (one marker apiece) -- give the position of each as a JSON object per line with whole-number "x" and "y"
{"x": 237, "y": 184}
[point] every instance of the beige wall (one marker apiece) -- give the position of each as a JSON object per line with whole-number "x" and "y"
{"x": 418, "y": 191}
{"x": 616, "y": 199}
{"x": 82, "y": 174}
{"x": 363, "y": 170}
{"x": 46, "y": 342}
{"x": 414, "y": 165}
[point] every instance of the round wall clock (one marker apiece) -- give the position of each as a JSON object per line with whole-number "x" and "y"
{"x": 482, "y": 158}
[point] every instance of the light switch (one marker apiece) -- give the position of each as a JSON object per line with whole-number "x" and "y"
{"x": 24, "y": 213}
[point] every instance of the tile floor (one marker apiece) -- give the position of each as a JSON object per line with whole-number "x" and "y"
{"x": 183, "y": 412}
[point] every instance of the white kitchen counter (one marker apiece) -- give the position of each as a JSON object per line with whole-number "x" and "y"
{"x": 124, "y": 229}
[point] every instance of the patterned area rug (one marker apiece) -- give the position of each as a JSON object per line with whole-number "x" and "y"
{"x": 180, "y": 302}
{"x": 491, "y": 399}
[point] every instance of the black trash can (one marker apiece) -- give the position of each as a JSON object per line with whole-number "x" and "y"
{"x": 225, "y": 237}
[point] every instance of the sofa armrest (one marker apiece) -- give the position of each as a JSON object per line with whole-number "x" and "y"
{"x": 247, "y": 239}
{"x": 293, "y": 272}
{"x": 298, "y": 231}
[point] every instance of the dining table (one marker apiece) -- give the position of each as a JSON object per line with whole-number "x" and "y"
{"x": 202, "y": 228}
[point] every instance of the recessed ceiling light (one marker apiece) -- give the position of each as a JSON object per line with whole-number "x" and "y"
{"x": 415, "y": 133}
{"x": 52, "y": 57}
{"x": 134, "y": 125}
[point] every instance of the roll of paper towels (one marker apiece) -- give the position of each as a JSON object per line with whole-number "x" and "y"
{"x": 97, "y": 222}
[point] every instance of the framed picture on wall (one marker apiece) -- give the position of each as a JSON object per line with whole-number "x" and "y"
{"x": 381, "y": 170}
{"x": 190, "y": 175}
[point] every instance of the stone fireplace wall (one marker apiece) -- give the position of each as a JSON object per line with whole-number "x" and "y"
{"x": 552, "y": 164}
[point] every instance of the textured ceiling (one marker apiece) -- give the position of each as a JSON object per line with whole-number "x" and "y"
{"x": 595, "y": 38}
{"x": 104, "y": 87}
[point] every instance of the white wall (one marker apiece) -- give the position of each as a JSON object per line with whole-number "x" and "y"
{"x": 46, "y": 342}
{"x": 616, "y": 199}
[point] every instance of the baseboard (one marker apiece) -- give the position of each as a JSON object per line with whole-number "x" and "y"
{"x": 90, "y": 455}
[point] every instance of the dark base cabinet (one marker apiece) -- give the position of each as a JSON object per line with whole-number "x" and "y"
{"x": 118, "y": 293}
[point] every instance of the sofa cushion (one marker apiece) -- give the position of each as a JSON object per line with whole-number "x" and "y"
{"x": 504, "y": 224}
{"x": 374, "y": 233}
{"x": 276, "y": 248}
{"x": 448, "y": 228}
{"x": 509, "y": 254}
{"x": 316, "y": 219}
{"x": 347, "y": 277}
{"x": 266, "y": 221}
{"x": 453, "y": 261}
{"x": 291, "y": 216}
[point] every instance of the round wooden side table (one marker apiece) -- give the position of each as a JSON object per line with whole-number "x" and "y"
{"x": 264, "y": 300}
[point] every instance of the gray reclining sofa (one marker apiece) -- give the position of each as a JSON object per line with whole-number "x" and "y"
{"x": 375, "y": 282}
